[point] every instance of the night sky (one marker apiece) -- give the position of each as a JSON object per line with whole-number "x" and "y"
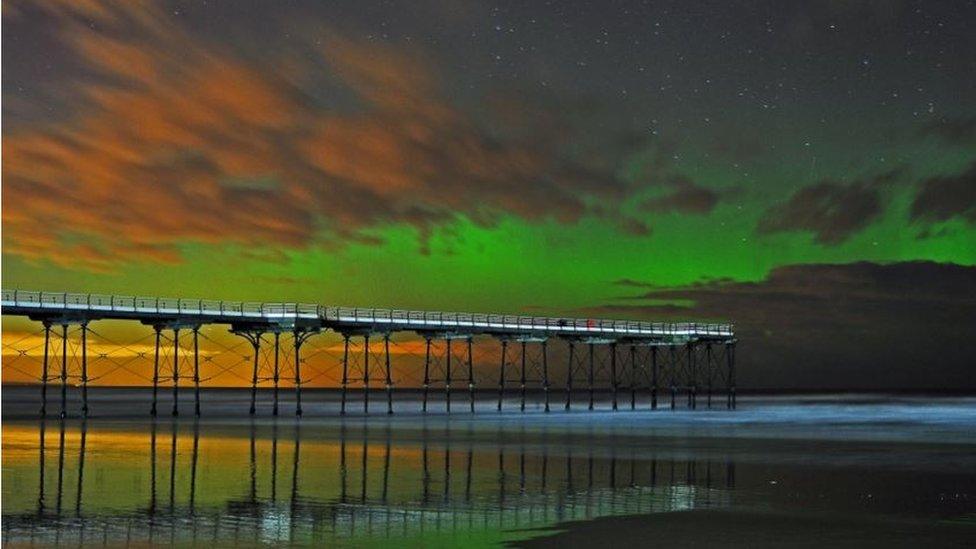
{"x": 804, "y": 169}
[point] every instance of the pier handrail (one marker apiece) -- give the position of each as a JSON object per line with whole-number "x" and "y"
{"x": 399, "y": 318}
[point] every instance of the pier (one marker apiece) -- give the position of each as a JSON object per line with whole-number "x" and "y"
{"x": 671, "y": 363}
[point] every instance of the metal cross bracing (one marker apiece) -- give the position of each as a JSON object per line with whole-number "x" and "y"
{"x": 448, "y": 359}
{"x": 273, "y": 359}
{"x": 589, "y": 360}
{"x": 686, "y": 358}
{"x": 358, "y": 359}
{"x": 528, "y": 358}
{"x": 705, "y": 368}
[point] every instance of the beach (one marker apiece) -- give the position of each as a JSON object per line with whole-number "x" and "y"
{"x": 842, "y": 469}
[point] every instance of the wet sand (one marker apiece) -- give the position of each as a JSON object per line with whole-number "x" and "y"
{"x": 725, "y": 528}
{"x": 824, "y": 469}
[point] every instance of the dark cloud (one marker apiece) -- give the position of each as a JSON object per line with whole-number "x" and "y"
{"x": 634, "y": 227}
{"x": 683, "y": 196}
{"x": 631, "y": 283}
{"x": 941, "y": 198}
{"x": 832, "y": 210}
{"x": 953, "y": 131}
{"x": 855, "y": 325}
{"x": 174, "y": 139}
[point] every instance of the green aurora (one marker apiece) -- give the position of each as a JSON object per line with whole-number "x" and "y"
{"x": 689, "y": 165}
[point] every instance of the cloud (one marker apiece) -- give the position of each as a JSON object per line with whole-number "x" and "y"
{"x": 847, "y": 325}
{"x": 832, "y": 210}
{"x": 634, "y": 227}
{"x": 944, "y": 197}
{"x": 631, "y": 283}
{"x": 175, "y": 139}
{"x": 683, "y": 196}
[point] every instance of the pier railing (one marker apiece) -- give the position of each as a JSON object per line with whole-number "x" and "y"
{"x": 394, "y": 318}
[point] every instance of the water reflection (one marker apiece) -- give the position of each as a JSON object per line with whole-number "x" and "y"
{"x": 187, "y": 482}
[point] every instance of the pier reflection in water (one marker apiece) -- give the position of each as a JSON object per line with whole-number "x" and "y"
{"x": 173, "y": 482}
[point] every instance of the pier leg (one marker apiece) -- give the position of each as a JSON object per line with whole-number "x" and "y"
{"x": 590, "y": 377}
{"x": 708, "y": 370}
{"x": 426, "y": 372}
{"x": 389, "y": 375}
{"x": 569, "y": 377}
{"x": 545, "y": 376}
{"x": 692, "y": 388}
{"x": 366, "y": 374}
{"x": 345, "y": 373}
{"x": 256, "y": 344}
{"x": 733, "y": 376}
{"x": 613, "y": 374}
{"x": 84, "y": 369}
{"x": 298, "y": 376}
{"x": 654, "y": 378}
{"x": 633, "y": 378}
{"x": 155, "y": 381}
{"x": 275, "y": 374}
{"x": 447, "y": 378}
{"x": 44, "y": 375}
{"x": 64, "y": 370}
{"x": 470, "y": 375}
{"x": 196, "y": 371}
{"x": 501, "y": 376}
{"x": 674, "y": 363}
{"x": 730, "y": 380}
{"x": 176, "y": 372}
{"x": 522, "y": 381}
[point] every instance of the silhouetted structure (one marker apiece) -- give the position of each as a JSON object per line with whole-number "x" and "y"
{"x": 624, "y": 356}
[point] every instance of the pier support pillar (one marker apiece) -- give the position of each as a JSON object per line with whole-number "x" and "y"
{"x": 613, "y": 375}
{"x": 299, "y": 338}
{"x": 176, "y": 372}
{"x": 155, "y": 380}
{"x": 426, "y": 372}
{"x": 196, "y": 371}
{"x": 44, "y": 364}
{"x": 255, "y": 339}
{"x": 470, "y": 374}
{"x": 691, "y": 376}
{"x": 389, "y": 375}
{"x": 522, "y": 382}
{"x": 344, "y": 384}
{"x": 366, "y": 373}
{"x": 674, "y": 366}
{"x": 545, "y": 376}
{"x": 569, "y": 377}
{"x": 276, "y": 374}
{"x": 64, "y": 370}
{"x": 447, "y": 377}
{"x": 708, "y": 373}
{"x": 633, "y": 377}
{"x": 501, "y": 375}
{"x": 590, "y": 377}
{"x": 730, "y": 380}
{"x": 654, "y": 378}
{"x": 84, "y": 369}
